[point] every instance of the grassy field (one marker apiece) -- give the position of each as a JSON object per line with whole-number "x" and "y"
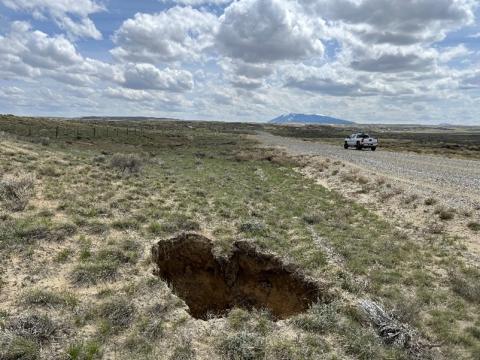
{"x": 83, "y": 203}
{"x": 437, "y": 140}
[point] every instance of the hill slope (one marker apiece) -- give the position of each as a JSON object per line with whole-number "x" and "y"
{"x": 309, "y": 119}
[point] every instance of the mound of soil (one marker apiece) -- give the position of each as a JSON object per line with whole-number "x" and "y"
{"x": 248, "y": 278}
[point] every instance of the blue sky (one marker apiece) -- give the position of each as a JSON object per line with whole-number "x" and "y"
{"x": 363, "y": 60}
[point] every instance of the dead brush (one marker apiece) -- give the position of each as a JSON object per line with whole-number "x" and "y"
{"x": 34, "y": 327}
{"x": 16, "y": 191}
{"x": 444, "y": 213}
{"x": 354, "y": 177}
{"x": 127, "y": 163}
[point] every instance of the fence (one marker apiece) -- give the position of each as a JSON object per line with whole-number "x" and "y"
{"x": 71, "y": 131}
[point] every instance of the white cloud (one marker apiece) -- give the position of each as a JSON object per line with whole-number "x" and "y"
{"x": 267, "y": 31}
{"x": 454, "y": 52}
{"x": 70, "y": 15}
{"x": 198, "y": 2}
{"x": 147, "y": 76}
{"x": 387, "y": 36}
{"x": 26, "y": 52}
{"x": 178, "y": 34}
{"x": 397, "y": 22}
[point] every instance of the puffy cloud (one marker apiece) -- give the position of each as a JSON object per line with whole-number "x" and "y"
{"x": 180, "y": 33}
{"x": 128, "y": 94}
{"x": 393, "y": 59}
{"x": 329, "y": 80}
{"x": 26, "y": 52}
{"x": 454, "y": 52}
{"x": 149, "y": 101}
{"x": 70, "y": 15}
{"x": 397, "y": 22}
{"x": 198, "y": 2}
{"x": 245, "y": 75}
{"x": 147, "y": 76}
{"x": 393, "y": 36}
{"x": 267, "y": 31}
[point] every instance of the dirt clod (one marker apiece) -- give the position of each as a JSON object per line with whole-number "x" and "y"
{"x": 248, "y": 278}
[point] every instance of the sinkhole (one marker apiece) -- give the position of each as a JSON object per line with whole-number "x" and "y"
{"x": 248, "y": 278}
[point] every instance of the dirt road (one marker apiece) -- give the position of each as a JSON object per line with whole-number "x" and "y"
{"x": 455, "y": 181}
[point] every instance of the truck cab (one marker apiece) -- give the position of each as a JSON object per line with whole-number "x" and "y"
{"x": 360, "y": 141}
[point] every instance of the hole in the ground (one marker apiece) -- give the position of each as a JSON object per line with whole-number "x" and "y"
{"x": 248, "y": 279}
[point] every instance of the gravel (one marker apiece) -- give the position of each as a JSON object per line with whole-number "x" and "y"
{"x": 455, "y": 181}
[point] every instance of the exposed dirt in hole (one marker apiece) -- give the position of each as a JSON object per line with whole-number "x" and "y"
{"x": 249, "y": 279}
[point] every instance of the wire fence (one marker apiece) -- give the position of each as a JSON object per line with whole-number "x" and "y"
{"x": 71, "y": 131}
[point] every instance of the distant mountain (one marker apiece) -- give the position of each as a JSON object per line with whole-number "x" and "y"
{"x": 309, "y": 119}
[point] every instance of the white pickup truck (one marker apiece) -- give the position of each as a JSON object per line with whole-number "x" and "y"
{"x": 360, "y": 141}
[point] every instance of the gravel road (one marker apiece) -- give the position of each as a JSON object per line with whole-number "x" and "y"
{"x": 455, "y": 181}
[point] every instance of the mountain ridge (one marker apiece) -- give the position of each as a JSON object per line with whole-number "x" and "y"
{"x": 295, "y": 118}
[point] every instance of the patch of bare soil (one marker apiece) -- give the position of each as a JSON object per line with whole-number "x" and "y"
{"x": 248, "y": 278}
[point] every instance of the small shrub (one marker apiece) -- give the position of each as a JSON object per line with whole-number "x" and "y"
{"x": 99, "y": 159}
{"x": 137, "y": 345}
{"x": 435, "y": 228}
{"x": 180, "y": 223}
{"x": 129, "y": 163}
{"x": 444, "y": 213}
{"x": 44, "y": 140}
{"x": 92, "y": 272}
{"x": 127, "y": 253}
{"x": 252, "y": 227}
{"x": 184, "y": 350}
{"x": 154, "y": 227}
{"x": 430, "y": 201}
{"x": 126, "y": 224}
{"x": 96, "y": 227}
{"x": 118, "y": 313}
{"x": 16, "y": 191}
{"x": 40, "y": 297}
{"x": 63, "y": 255}
{"x": 410, "y": 199}
{"x": 49, "y": 170}
{"x": 321, "y": 318}
{"x": 242, "y": 346}
{"x": 467, "y": 285}
{"x": 153, "y": 328}
{"x": 84, "y": 351}
{"x": 14, "y": 347}
{"x": 60, "y": 232}
{"x": 313, "y": 219}
{"x": 34, "y": 327}
{"x": 363, "y": 344}
{"x": 474, "y": 226}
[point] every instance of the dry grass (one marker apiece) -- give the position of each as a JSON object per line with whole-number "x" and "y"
{"x": 17, "y": 190}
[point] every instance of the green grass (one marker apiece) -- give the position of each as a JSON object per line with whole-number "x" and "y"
{"x": 46, "y": 298}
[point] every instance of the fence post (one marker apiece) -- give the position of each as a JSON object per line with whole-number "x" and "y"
{"x": 56, "y": 132}
{"x": 29, "y": 131}
{"x": 94, "y": 132}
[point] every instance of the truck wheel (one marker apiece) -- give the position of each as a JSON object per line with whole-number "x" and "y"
{"x": 345, "y": 146}
{"x": 374, "y": 148}
{"x": 359, "y": 146}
